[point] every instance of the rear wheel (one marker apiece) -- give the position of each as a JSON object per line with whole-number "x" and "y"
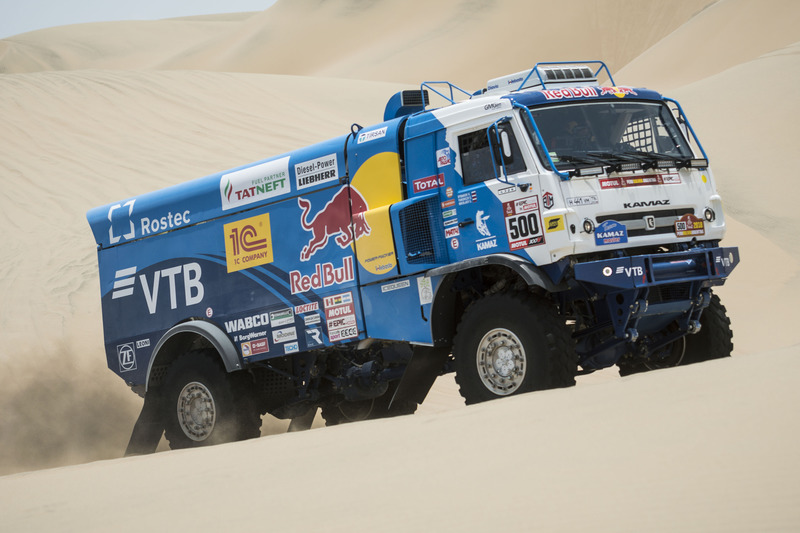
{"x": 204, "y": 405}
{"x": 512, "y": 343}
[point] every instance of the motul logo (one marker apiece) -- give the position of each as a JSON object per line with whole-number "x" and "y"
{"x": 648, "y": 203}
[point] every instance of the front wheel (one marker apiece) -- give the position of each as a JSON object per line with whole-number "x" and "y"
{"x": 511, "y": 343}
{"x": 205, "y": 405}
{"x": 715, "y": 338}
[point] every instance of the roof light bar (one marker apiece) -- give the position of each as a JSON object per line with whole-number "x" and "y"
{"x": 627, "y": 167}
{"x": 699, "y": 162}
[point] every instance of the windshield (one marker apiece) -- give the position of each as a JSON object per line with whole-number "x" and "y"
{"x": 592, "y": 133}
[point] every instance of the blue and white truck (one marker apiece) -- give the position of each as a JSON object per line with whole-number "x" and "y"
{"x": 546, "y": 226}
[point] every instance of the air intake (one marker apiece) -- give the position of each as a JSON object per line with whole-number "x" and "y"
{"x": 405, "y": 103}
{"x": 546, "y": 76}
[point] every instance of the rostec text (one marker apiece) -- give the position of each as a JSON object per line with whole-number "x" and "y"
{"x": 169, "y": 221}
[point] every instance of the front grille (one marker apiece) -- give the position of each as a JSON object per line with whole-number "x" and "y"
{"x": 634, "y": 221}
{"x": 420, "y": 225}
{"x": 670, "y": 293}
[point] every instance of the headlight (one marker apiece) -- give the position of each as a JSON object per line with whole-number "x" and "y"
{"x": 588, "y": 226}
{"x": 709, "y": 214}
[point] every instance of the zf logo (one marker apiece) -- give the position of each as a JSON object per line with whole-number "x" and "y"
{"x": 193, "y": 290}
{"x": 127, "y": 357}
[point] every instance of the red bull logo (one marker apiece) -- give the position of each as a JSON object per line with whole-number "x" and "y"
{"x": 570, "y": 92}
{"x": 334, "y": 220}
{"x": 619, "y": 92}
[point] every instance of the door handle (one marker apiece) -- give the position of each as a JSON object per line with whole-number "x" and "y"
{"x": 466, "y": 223}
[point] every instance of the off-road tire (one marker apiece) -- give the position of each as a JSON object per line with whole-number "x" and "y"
{"x": 715, "y": 338}
{"x": 344, "y": 412}
{"x": 512, "y": 329}
{"x": 204, "y": 405}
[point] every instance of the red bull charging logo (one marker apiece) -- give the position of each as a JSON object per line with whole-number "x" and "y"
{"x": 619, "y": 92}
{"x": 334, "y": 220}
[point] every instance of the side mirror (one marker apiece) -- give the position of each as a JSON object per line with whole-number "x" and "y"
{"x": 506, "y": 144}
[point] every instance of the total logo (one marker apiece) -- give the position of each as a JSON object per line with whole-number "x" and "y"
{"x": 188, "y": 276}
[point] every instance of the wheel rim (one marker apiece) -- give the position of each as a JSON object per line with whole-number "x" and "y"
{"x": 669, "y": 356}
{"x": 501, "y": 362}
{"x": 197, "y": 412}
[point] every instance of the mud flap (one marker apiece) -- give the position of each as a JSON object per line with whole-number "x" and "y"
{"x": 303, "y": 422}
{"x": 425, "y": 366}
{"x": 149, "y": 427}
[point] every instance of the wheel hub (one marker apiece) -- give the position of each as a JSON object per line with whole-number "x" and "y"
{"x": 501, "y": 361}
{"x": 197, "y": 412}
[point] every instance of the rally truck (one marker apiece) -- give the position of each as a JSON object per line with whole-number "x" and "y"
{"x": 548, "y": 225}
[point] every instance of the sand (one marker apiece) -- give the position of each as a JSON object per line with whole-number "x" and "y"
{"x": 94, "y": 113}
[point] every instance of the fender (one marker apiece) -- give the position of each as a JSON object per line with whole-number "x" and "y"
{"x": 213, "y": 334}
{"x": 529, "y": 272}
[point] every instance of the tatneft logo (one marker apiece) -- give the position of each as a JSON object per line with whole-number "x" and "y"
{"x": 254, "y": 184}
{"x": 248, "y": 243}
{"x": 189, "y": 274}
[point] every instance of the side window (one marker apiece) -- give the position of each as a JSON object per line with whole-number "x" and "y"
{"x": 476, "y": 158}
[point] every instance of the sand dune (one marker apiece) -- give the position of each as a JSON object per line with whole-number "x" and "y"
{"x": 697, "y": 453}
{"x": 97, "y": 112}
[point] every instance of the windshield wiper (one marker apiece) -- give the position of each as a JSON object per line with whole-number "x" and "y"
{"x": 657, "y": 160}
{"x": 625, "y": 161}
{"x": 594, "y": 166}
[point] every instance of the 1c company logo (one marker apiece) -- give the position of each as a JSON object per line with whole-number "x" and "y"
{"x": 248, "y": 243}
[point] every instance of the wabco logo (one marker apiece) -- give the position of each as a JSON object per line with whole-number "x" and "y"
{"x": 333, "y": 220}
{"x": 248, "y": 243}
{"x": 193, "y": 290}
{"x": 648, "y": 203}
{"x": 248, "y": 322}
